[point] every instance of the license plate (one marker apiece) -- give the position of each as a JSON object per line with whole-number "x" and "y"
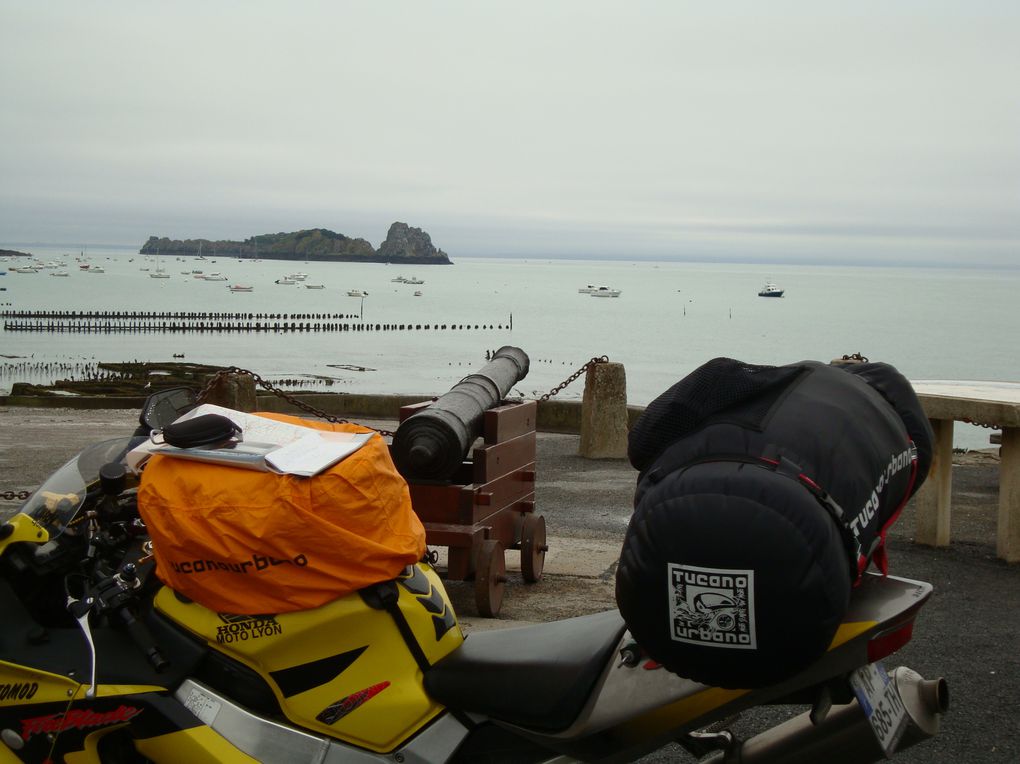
{"x": 882, "y": 705}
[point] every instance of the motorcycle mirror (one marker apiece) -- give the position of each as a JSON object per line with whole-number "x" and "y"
{"x": 166, "y": 406}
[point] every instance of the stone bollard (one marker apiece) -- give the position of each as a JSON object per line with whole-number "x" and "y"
{"x": 233, "y": 391}
{"x": 604, "y": 412}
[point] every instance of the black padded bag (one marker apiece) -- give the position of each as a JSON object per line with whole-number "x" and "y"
{"x": 206, "y": 431}
{"x": 764, "y": 492}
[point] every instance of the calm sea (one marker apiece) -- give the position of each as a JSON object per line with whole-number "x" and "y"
{"x": 669, "y": 319}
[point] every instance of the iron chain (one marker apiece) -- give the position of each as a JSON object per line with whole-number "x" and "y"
{"x": 575, "y": 375}
{"x": 855, "y": 357}
{"x": 291, "y": 399}
{"x": 986, "y": 425}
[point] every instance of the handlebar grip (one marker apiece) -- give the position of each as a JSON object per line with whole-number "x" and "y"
{"x": 142, "y": 637}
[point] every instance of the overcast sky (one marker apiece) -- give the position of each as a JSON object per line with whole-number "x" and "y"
{"x": 764, "y": 131}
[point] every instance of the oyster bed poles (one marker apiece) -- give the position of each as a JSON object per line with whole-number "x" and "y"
{"x": 433, "y": 443}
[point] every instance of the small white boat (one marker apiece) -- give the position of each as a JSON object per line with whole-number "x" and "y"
{"x": 603, "y": 291}
{"x": 413, "y": 280}
{"x": 298, "y": 276}
{"x": 215, "y": 277}
{"x": 771, "y": 290}
{"x": 417, "y": 293}
{"x": 356, "y": 293}
{"x": 241, "y": 288}
{"x": 315, "y": 286}
{"x": 59, "y": 273}
{"x": 288, "y": 281}
{"x": 97, "y": 269}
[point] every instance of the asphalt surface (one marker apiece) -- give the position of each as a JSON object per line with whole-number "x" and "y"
{"x": 969, "y": 632}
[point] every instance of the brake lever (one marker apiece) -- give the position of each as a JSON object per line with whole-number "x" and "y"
{"x": 80, "y": 610}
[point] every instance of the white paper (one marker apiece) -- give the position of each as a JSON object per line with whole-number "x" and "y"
{"x": 267, "y": 445}
{"x": 315, "y": 452}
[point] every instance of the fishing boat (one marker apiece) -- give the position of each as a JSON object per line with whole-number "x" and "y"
{"x": 241, "y": 288}
{"x": 771, "y": 290}
{"x": 285, "y": 280}
{"x": 315, "y": 286}
{"x": 356, "y": 293}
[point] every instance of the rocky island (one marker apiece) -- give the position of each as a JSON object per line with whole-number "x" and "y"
{"x": 403, "y": 245}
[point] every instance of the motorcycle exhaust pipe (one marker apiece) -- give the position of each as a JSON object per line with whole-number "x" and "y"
{"x": 845, "y": 735}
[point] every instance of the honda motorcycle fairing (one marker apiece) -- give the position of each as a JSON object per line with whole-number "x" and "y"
{"x": 358, "y": 652}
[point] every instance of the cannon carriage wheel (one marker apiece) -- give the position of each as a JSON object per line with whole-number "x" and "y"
{"x": 533, "y": 547}
{"x": 490, "y": 577}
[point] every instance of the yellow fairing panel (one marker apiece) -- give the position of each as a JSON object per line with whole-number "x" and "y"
{"x": 27, "y": 684}
{"x": 343, "y": 669}
{"x": 24, "y": 528}
{"x": 197, "y": 745}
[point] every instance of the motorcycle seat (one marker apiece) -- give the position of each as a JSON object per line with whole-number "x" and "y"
{"x": 538, "y": 676}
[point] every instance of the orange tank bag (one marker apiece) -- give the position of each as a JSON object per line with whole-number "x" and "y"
{"x": 249, "y": 542}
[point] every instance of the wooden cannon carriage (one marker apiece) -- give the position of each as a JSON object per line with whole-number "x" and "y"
{"x": 488, "y": 505}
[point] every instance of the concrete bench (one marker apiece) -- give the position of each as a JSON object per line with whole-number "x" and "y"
{"x": 990, "y": 403}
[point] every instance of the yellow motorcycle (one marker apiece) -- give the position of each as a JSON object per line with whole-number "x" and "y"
{"x": 100, "y": 662}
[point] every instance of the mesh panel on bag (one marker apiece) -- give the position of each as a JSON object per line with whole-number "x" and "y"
{"x": 709, "y": 390}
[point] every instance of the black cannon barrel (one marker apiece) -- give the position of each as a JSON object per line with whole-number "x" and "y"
{"x": 433, "y": 443}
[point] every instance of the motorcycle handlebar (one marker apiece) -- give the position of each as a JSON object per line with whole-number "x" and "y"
{"x": 115, "y": 595}
{"x": 142, "y": 637}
